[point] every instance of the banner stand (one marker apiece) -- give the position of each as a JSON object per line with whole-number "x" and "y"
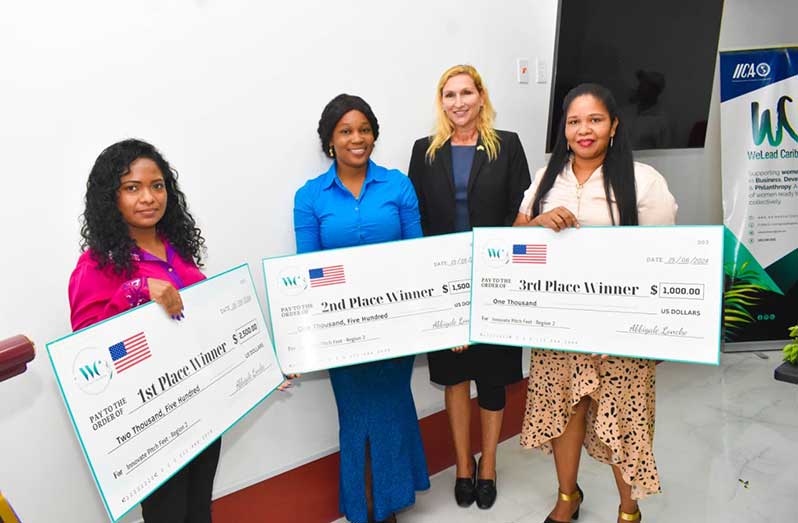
{"x": 759, "y": 153}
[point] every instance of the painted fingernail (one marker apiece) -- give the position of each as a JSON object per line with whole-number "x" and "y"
{"x": 182, "y": 315}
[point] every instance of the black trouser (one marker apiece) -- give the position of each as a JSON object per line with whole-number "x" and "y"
{"x": 186, "y": 497}
{"x": 491, "y": 397}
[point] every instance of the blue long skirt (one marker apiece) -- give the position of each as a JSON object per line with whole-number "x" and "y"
{"x": 375, "y": 405}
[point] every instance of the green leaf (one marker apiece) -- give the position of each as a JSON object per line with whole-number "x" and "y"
{"x": 743, "y": 289}
{"x": 730, "y": 305}
{"x": 738, "y": 314}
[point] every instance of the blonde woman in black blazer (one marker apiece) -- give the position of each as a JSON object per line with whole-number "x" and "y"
{"x": 468, "y": 174}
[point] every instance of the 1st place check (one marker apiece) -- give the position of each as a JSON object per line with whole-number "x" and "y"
{"x": 650, "y": 292}
{"x": 373, "y": 302}
{"x": 146, "y": 394}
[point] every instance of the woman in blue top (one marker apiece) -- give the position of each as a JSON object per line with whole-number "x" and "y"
{"x": 357, "y": 202}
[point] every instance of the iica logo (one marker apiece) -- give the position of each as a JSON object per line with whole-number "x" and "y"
{"x": 293, "y": 281}
{"x": 761, "y": 125}
{"x": 751, "y": 71}
{"x": 92, "y": 371}
{"x": 496, "y": 254}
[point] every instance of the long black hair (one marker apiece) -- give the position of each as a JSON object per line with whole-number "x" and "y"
{"x": 618, "y": 167}
{"x": 103, "y": 229}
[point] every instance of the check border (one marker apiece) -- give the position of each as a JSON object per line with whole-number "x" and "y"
{"x": 72, "y": 417}
{"x": 268, "y": 303}
{"x": 719, "y": 326}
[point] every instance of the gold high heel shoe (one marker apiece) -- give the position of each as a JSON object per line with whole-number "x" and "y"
{"x": 576, "y": 496}
{"x": 623, "y": 516}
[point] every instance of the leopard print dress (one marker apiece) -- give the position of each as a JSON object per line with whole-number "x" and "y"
{"x": 620, "y": 418}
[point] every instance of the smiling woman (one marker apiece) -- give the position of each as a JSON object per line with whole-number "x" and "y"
{"x": 573, "y": 399}
{"x": 358, "y": 202}
{"x": 352, "y": 141}
{"x": 468, "y": 174}
{"x": 589, "y": 131}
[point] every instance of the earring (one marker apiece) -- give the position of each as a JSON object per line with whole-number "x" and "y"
{"x": 611, "y": 138}
{"x": 331, "y": 152}
{"x": 567, "y": 147}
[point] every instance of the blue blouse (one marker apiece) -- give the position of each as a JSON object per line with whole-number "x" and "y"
{"x": 374, "y": 400}
{"x": 462, "y": 159}
{"x": 328, "y": 216}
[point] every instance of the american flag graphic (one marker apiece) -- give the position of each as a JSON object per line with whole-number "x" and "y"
{"x": 529, "y": 253}
{"x": 323, "y": 276}
{"x": 129, "y": 352}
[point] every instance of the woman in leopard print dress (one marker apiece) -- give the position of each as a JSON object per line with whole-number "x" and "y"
{"x": 574, "y": 399}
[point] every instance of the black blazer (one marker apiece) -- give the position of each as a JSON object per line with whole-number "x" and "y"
{"x": 495, "y": 188}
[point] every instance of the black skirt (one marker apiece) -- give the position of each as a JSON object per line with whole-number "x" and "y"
{"x": 489, "y": 364}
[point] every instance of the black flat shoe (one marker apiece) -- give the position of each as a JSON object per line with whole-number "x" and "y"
{"x": 486, "y": 492}
{"x": 464, "y": 488}
{"x": 570, "y": 497}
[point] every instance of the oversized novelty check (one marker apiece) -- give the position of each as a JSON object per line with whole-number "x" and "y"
{"x": 146, "y": 393}
{"x": 373, "y": 302}
{"x": 649, "y": 292}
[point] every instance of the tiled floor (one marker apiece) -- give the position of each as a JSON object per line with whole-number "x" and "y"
{"x": 726, "y": 447}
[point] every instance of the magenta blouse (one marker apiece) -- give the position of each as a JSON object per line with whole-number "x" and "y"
{"x": 96, "y": 294}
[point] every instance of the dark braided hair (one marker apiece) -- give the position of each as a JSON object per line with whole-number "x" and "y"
{"x": 103, "y": 229}
{"x": 336, "y": 109}
{"x": 618, "y": 167}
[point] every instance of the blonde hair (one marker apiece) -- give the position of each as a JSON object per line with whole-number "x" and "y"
{"x": 443, "y": 126}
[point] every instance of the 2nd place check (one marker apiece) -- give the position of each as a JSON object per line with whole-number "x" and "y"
{"x": 146, "y": 394}
{"x": 650, "y": 292}
{"x": 353, "y": 305}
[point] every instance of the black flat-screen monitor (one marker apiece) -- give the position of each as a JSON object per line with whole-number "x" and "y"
{"x": 657, "y": 58}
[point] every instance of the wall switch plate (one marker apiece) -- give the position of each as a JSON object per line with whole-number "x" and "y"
{"x": 522, "y": 70}
{"x": 541, "y": 75}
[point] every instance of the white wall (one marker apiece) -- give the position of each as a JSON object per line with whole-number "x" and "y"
{"x": 231, "y": 91}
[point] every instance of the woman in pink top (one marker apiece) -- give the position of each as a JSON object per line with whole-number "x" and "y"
{"x": 140, "y": 243}
{"x": 605, "y": 404}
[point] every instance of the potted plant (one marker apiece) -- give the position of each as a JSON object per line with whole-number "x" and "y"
{"x": 788, "y": 371}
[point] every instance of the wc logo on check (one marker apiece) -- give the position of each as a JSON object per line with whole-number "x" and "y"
{"x": 496, "y": 254}
{"x": 292, "y": 281}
